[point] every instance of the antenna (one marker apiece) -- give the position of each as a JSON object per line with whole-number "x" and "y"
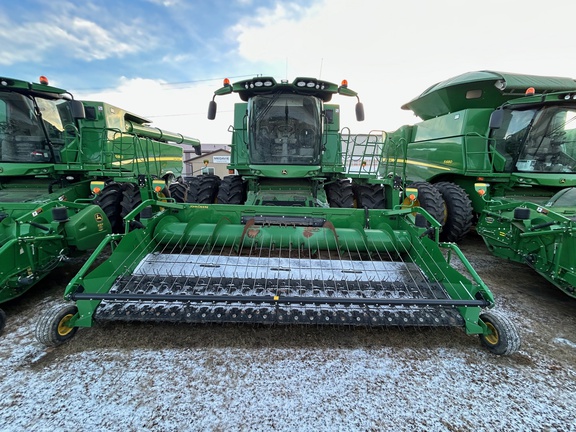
{"x": 321, "y": 64}
{"x": 286, "y": 72}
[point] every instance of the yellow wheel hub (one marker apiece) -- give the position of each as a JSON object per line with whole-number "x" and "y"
{"x": 63, "y": 328}
{"x": 492, "y": 338}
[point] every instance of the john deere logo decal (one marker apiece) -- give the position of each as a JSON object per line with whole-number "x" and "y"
{"x": 98, "y": 217}
{"x": 284, "y": 172}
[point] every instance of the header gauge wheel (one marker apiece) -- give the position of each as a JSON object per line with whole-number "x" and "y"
{"x": 503, "y": 338}
{"x": 54, "y": 328}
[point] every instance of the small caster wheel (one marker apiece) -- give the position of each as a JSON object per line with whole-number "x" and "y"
{"x": 503, "y": 338}
{"x": 53, "y": 328}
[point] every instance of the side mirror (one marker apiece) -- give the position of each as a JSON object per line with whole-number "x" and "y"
{"x": 359, "y": 112}
{"x": 77, "y": 109}
{"x": 212, "y": 106}
{"x": 496, "y": 119}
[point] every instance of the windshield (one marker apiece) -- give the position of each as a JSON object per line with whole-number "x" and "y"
{"x": 538, "y": 140}
{"x": 22, "y": 138}
{"x": 285, "y": 129}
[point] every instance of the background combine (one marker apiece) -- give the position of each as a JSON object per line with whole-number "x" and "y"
{"x": 69, "y": 171}
{"x": 500, "y": 149}
{"x": 304, "y": 232}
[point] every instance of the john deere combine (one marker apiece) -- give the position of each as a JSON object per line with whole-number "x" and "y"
{"x": 512, "y": 138}
{"x": 305, "y": 232}
{"x": 69, "y": 171}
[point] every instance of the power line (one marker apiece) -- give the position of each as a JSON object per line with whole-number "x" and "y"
{"x": 175, "y": 83}
{"x": 181, "y": 114}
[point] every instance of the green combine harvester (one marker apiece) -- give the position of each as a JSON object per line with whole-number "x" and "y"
{"x": 500, "y": 149}
{"x": 304, "y": 232}
{"x": 69, "y": 172}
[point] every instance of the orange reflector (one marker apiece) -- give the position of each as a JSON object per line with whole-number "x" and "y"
{"x": 412, "y": 197}
{"x": 481, "y": 192}
{"x": 43, "y": 80}
{"x": 157, "y": 188}
{"x": 344, "y": 83}
{"x": 96, "y": 190}
{"x": 226, "y": 81}
{"x": 480, "y": 178}
{"x": 530, "y": 91}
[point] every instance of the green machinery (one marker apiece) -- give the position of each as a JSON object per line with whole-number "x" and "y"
{"x": 500, "y": 149}
{"x": 305, "y": 232}
{"x": 69, "y": 171}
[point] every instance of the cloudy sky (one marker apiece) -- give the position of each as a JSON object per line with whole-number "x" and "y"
{"x": 163, "y": 59}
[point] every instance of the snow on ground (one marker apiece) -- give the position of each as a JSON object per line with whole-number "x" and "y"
{"x": 162, "y": 377}
{"x": 361, "y": 386}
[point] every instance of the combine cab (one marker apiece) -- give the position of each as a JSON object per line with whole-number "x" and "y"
{"x": 511, "y": 137}
{"x": 69, "y": 171}
{"x": 306, "y": 232}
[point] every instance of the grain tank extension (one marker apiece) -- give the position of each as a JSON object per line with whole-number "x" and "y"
{"x": 305, "y": 232}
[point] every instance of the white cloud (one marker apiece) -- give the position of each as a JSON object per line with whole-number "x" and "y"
{"x": 174, "y": 108}
{"x": 57, "y": 33}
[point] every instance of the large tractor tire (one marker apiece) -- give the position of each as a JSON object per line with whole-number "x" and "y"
{"x": 232, "y": 190}
{"x": 110, "y": 200}
{"x": 52, "y": 329}
{"x": 459, "y": 212}
{"x": 193, "y": 187}
{"x": 430, "y": 199}
{"x": 178, "y": 191}
{"x": 504, "y": 339}
{"x": 203, "y": 189}
{"x": 131, "y": 198}
{"x": 369, "y": 196}
{"x": 340, "y": 194}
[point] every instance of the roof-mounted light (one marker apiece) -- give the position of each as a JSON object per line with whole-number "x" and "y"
{"x": 43, "y": 80}
{"x": 226, "y": 82}
{"x": 344, "y": 83}
{"x": 530, "y": 91}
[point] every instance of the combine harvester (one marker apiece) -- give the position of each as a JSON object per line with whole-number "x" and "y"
{"x": 305, "y": 232}
{"x": 69, "y": 171}
{"x": 501, "y": 149}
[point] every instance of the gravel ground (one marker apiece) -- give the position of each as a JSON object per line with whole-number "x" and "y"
{"x": 165, "y": 377}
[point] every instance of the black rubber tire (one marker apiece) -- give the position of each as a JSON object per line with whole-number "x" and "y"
{"x": 51, "y": 329}
{"x": 2, "y": 321}
{"x": 505, "y": 339}
{"x": 193, "y": 188}
{"x": 203, "y": 189}
{"x": 459, "y": 212}
{"x": 340, "y": 194}
{"x": 178, "y": 191}
{"x": 430, "y": 200}
{"x": 232, "y": 190}
{"x": 369, "y": 196}
{"x": 109, "y": 200}
{"x": 208, "y": 189}
{"x": 131, "y": 198}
